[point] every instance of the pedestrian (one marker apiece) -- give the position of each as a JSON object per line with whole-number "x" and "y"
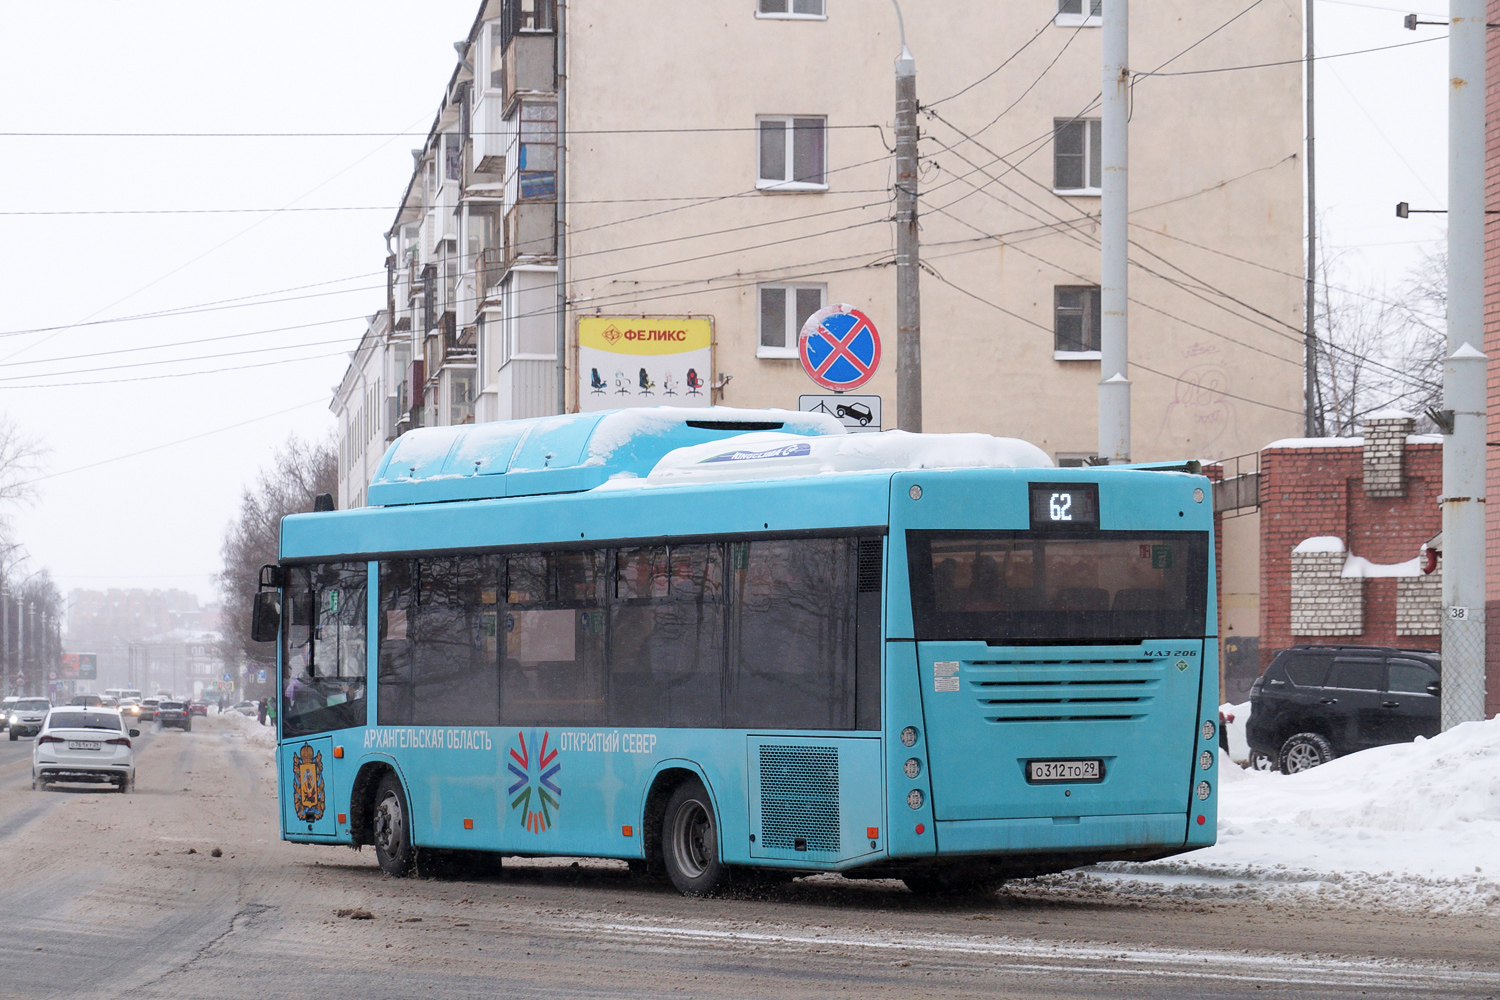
{"x": 260, "y": 712}
{"x": 271, "y": 713}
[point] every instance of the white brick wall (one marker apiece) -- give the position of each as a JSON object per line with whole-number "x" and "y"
{"x": 1323, "y": 602}
{"x": 1385, "y": 448}
{"x": 1419, "y": 604}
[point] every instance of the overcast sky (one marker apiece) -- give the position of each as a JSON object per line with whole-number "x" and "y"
{"x": 123, "y": 504}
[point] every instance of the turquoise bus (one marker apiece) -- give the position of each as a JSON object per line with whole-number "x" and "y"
{"x": 741, "y": 644}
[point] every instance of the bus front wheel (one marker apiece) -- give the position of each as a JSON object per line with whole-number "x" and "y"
{"x": 392, "y": 831}
{"x": 690, "y": 841}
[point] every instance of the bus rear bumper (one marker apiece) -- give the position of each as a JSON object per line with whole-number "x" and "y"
{"x": 1105, "y": 837}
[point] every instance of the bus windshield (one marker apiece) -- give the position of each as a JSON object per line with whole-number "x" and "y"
{"x": 1016, "y": 587}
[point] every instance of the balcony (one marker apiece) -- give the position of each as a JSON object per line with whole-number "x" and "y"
{"x": 489, "y": 267}
{"x": 531, "y": 232}
{"x": 530, "y": 65}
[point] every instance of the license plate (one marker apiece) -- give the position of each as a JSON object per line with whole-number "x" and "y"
{"x": 1065, "y": 770}
{"x": 83, "y": 744}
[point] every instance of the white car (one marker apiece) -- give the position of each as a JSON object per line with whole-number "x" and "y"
{"x": 27, "y": 715}
{"x": 84, "y": 744}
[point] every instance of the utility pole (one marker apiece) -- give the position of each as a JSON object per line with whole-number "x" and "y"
{"x": 908, "y": 271}
{"x": 1114, "y": 237}
{"x": 1464, "y": 373}
{"x": 1310, "y": 331}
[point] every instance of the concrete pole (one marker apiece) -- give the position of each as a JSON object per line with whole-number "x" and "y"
{"x": 908, "y": 270}
{"x": 1310, "y": 332}
{"x": 1114, "y": 237}
{"x": 1464, "y": 373}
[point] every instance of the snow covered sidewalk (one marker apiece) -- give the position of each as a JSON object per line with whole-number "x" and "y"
{"x": 1413, "y": 825}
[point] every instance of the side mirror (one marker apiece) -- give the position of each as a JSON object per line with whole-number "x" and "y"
{"x": 265, "y": 616}
{"x": 1435, "y": 688}
{"x": 134, "y": 733}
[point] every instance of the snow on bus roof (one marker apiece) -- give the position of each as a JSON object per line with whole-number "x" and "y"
{"x": 623, "y": 428}
{"x": 773, "y": 455}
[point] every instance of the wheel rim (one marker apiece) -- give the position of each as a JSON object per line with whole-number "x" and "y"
{"x": 1301, "y": 757}
{"x": 692, "y": 839}
{"x": 389, "y": 826}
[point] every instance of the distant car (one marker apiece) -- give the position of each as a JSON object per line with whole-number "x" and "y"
{"x": 1315, "y": 703}
{"x": 84, "y": 744}
{"x": 174, "y": 713}
{"x": 107, "y": 702}
{"x": 7, "y": 705}
{"x": 148, "y": 708}
{"x": 131, "y": 709}
{"x": 855, "y": 411}
{"x": 198, "y": 707}
{"x": 249, "y": 708}
{"x": 87, "y": 701}
{"x": 27, "y": 715}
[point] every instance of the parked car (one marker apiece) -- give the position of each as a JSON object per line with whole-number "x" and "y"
{"x": 79, "y": 743}
{"x": 7, "y": 705}
{"x": 87, "y": 701}
{"x": 148, "y": 709}
{"x": 27, "y": 715}
{"x": 174, "y": 713}
{"x": 198, "y": 707}
{"x": 1315, "y": 703}
{"x": 249, "y": 708}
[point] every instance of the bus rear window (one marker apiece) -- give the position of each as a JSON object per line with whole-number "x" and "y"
{"x": 1014, "y": 587}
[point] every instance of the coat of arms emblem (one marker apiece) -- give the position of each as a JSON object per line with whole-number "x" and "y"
{"x": 307, "y": 784}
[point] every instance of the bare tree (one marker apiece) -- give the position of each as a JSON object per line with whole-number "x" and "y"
{"x": 20, "y": 458}
{"x": 1379, "y": 349}
{"x": 298, "y": 473}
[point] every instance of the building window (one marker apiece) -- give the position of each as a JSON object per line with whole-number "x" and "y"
{"x": 497, "y": 56}
{"x": 783, "y": 310}
{"x": 1075, "y": 323}
{"x": 1076, "y": 155}
{"x": 1070, "y": 13}
{"x": 537, "y": 161}
{"x": 791, "y": 9}
{"x": 792, "y": 154}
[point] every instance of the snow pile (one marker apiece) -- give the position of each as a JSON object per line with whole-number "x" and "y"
{"x": 1412, "y": 825}
{"x": 253, "y": 733}
{"x": 1320, "y": 543}
{"x": 774, "y": 455}
{"x": 618, "y": 429}
{"x": 1358, "y": 567}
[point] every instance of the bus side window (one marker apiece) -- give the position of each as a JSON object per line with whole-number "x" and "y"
{"x": 455, "y": 672}
{"x": 397, "y": 602}
{"x": 553, "y": 639}
{"x": 666, "y": 637}
{"x": 792, "y": 611}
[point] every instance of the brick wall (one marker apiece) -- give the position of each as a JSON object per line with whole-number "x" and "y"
{"x": 1306, "y": 492}
{"x": 1323, "y": 601}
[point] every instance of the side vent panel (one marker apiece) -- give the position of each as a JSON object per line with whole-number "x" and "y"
{"x": 869, "y": 565}
{"x": 799, "y": 798}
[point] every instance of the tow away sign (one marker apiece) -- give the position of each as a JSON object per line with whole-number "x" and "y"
{"x": 856, "y": 413}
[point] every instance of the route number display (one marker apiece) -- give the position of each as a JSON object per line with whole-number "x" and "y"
{"x": 1064, "y": 505}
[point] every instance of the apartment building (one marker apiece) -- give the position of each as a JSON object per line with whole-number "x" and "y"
{"x": 602, "y": 177}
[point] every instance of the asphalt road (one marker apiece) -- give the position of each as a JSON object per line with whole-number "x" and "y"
{"x": 110, "y": 895}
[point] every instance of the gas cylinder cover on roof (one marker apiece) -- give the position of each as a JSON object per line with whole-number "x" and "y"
{"x": 562, "y": 454}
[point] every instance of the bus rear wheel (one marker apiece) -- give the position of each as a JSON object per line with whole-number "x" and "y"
{"x": 392, "y": 831}
{"x": 690, "y": 841}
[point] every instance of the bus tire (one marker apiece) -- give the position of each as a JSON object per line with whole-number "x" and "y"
{"x": 690, "y": 841}
{"x": 392, "y": 828}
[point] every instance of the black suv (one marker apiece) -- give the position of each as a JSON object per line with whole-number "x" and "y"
{"x": 1315, "y": 703}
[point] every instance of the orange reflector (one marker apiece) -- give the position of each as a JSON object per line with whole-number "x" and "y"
{"x": 341, "y": 818}
{"x": 627, "y": 831}
{"x": 338, "y": 752}
{"x": 872, "y": 832}
{"x": 921, "y": 828}
{"x": 1201, "y": 821}
{"x": 468, "y": 824}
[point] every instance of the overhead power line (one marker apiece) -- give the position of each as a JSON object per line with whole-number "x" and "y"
{"x": 1292, "y": 62}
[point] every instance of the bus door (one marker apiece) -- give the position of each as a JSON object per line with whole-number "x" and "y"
{"x": 307, "y": 792}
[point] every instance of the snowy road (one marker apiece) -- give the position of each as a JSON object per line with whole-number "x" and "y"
{"x": 119, "y": 896}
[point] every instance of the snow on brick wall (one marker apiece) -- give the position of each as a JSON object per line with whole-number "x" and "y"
{"x": 1419, "y": 604}
{"x": 1385, "y": 448}
{"x": 1324, "y": 601}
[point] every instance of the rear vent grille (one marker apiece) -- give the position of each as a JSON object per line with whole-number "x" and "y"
{"x": 869, "y": 565}
{"x": 1103, "y": 690}
{"x": 799, "y": 798}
